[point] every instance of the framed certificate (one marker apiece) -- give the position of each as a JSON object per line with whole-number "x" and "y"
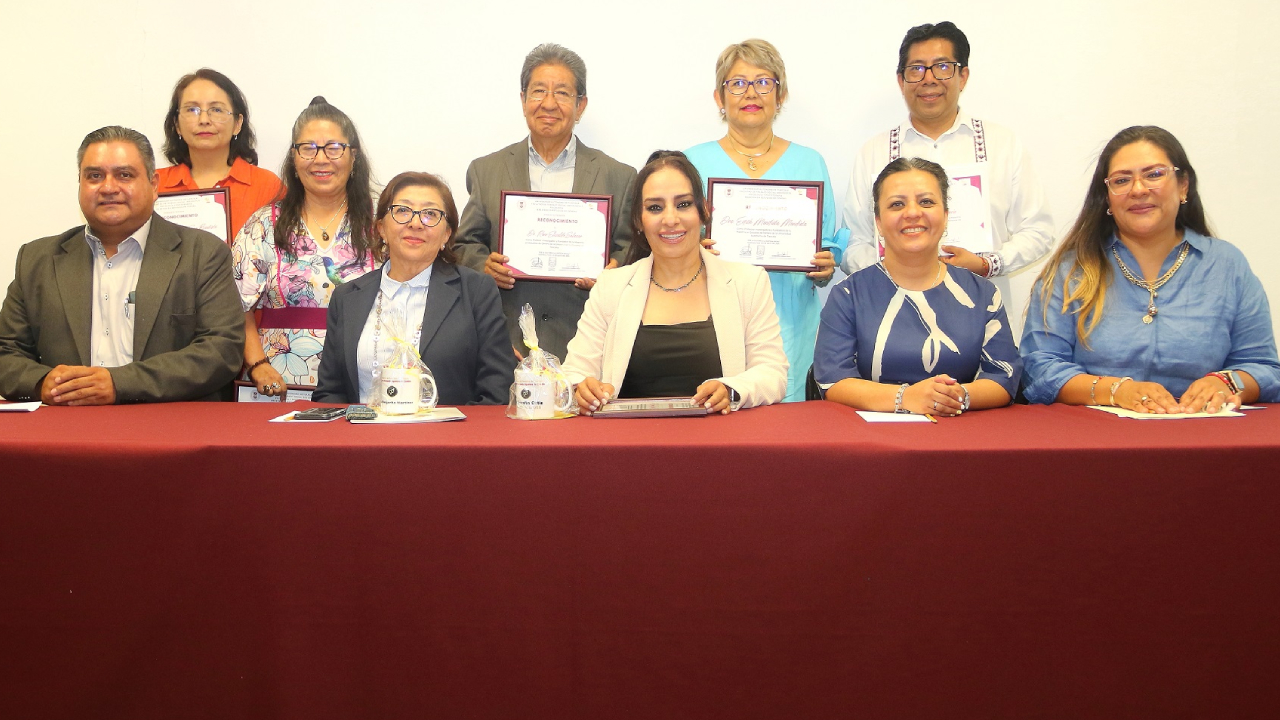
{"x": 554, "y": 236}
{"x": 248, "y": 392}
{"x": 658, "y": 407}
{"x": 776, "y": 224}
{"x": 208, "y": 210}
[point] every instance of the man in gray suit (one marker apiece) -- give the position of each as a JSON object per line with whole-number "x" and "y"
{"x": 553, "y": 92}
{"x": 128, "y": 308}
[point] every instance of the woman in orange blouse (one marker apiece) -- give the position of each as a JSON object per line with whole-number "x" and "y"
{"x": 208, "y": 138}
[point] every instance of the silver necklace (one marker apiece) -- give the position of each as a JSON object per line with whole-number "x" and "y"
{"x": 936, "y": 278}
{"x": 1152, "y": 287}
{"x": 377, "y": 332}
{"x": 701, "y": 265}
{"x": 751, "y": 159}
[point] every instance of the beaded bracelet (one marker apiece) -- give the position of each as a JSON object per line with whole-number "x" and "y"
{"x": 897, "y": 401}
{"x": 1116, "y": 386}
{"x": 249, "y": 371}
{"x": 1093, "y": 400}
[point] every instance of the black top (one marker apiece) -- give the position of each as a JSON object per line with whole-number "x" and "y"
{"x": 672, "y": 360}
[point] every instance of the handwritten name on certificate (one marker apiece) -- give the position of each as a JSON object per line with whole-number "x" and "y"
{"x": 208, "y": 210}
{"x": 776, "y": 224}
{"x": 554, "y": 236}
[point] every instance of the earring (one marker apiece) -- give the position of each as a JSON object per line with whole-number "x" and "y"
{"x": 1184, "y": 201}
{"x": 722, "y": 111}
{"x": 236, "y": 136}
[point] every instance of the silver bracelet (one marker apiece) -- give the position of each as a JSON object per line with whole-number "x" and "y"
{"x": 897, "y": 401}
{"x": 1092, "y": 399}
{"x": 964, "y": 404}
{"x": 1116, "y": 386}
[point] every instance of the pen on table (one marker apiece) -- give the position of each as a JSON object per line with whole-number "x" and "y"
{"x": 932, "y": 419}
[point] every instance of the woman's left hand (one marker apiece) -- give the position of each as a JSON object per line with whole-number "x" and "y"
{"x": 714, "y": 396}
{"x": 965, "y": 259}
{"x": 826, "y": 263}
{"x": 1208, "y": 394}
{"x": 585, "y": 283}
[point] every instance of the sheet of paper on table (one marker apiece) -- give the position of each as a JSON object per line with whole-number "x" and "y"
{"x": 440, "y": 414}
{"x": 888, "y": 417}
{"x": 20, "y": 406}
{"x": 1121, "y": 412}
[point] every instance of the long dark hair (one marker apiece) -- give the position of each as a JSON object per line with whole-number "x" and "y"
{"x": 359, "y": 191}
{"x": 243, "y": 143}
{"x": 1089, "y": 275}
{"x": 639, "y": 248}
{"x": 422, "y": 179}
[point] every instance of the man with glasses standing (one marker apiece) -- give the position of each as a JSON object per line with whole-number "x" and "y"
{"x": 553, "y": 92}
{"x": 998, "y": 205}
{"x": 127, "y": 308}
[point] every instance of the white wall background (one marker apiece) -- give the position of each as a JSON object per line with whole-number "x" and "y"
{"x": 433, "y": 85}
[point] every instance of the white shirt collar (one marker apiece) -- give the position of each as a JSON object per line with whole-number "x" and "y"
{"x": 391, "y": 287}
{"x": 963, "y": 119}
{"x": 139, "y": 236}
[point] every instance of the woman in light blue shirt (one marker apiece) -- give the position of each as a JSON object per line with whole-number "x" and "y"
{"x": 1158, "y": 315}
{"x": 750, "y": 90}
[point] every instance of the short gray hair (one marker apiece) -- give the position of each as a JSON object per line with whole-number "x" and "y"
{"x": 553, "y": 54}
{"x": 116, "y": 133}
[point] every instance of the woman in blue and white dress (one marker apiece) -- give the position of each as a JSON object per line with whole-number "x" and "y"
{"x": 912, "y": 334}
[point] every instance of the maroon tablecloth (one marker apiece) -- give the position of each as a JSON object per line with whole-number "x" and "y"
{"x": 194, "y": 561}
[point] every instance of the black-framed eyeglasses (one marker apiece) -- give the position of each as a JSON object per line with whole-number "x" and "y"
{"x": 764, "y": 85}
{"x": 563, "y": 97}
{"x": 404, "y": 215}
{"x": 1154, "y": 177}
{"x": 308, "y": 151}
{"x": 944, "y": 70}
{"x": 217, "y": 115}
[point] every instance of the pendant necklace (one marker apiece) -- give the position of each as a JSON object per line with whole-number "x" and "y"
{"x": 702, "y": 265}
{"x": 751, "y": 159}
{"x": 1151, "y": 287}
{"x": 324, "y": 229}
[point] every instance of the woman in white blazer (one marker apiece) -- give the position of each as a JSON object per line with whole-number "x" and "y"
{"x": 676, "y": 320}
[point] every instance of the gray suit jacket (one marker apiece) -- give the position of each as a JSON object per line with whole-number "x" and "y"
{"x": 188, "y": 330}
{"x": 463, "y": 343}
{"x": 557, "y": 305}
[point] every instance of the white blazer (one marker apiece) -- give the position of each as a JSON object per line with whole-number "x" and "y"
{"x": 741, "y": 298}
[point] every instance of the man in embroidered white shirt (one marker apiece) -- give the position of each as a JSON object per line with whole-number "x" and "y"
{"x": 126, "y": 308}
{"x": 1008, "y": 223}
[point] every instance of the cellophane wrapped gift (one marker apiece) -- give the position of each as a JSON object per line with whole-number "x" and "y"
{"x": 541, "y": 391}
{"x": 404, "y": 385}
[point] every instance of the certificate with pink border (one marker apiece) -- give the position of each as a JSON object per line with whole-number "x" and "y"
{"x": 776, "y": 224}
{"x": 555, "y": 236}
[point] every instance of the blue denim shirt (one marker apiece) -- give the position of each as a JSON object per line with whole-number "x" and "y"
{"x": 1213, "y": 315}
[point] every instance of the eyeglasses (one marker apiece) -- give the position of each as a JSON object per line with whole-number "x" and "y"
{"x": 738, "y": 86}
{"x": 1153, "y": 178}
{"x": 404, "y": 215}
{"x": 308, "y": 151}
{"x": 217, "y": 115}
{"x": 941, "y": 71}
{"x": 562, "y": 97}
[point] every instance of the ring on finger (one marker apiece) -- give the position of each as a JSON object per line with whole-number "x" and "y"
{"x": 1144, "y": 398}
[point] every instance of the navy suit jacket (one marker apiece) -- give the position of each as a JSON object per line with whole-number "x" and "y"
{"x": 464, "y": 338}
